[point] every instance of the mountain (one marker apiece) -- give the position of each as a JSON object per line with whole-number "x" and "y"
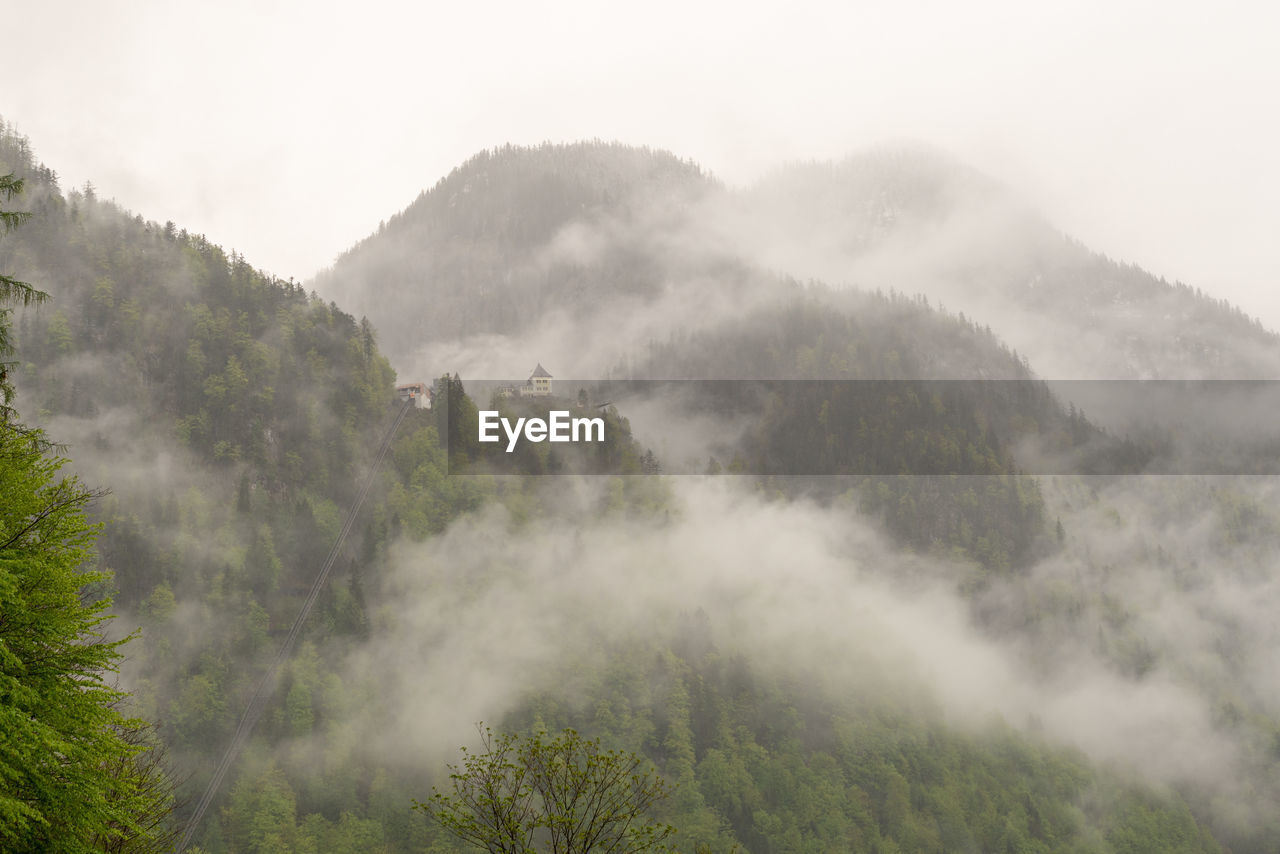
{"x": 868, "y": 666}
{"x": 802, "y": 276}
{"x": 493, "y": 246}
{"x": 639, "y": 242}
{"x": 913, "y": 220}
{"x": 228, "y": 415}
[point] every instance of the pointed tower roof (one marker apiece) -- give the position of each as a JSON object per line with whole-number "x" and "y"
{"x": 540, "y": 372}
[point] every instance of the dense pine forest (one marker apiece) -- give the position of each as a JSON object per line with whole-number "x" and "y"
{"x": 984, "y": 661}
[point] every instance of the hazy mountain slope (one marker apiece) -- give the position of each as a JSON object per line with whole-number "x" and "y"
{"x": 610, "y": 245}
{"x": 916, "y": 224}
{"x": 149, "y": 323}
{"x": 492, "y": 248}
{"x": 230, "y": 412}
{"x": 911, "y": 219}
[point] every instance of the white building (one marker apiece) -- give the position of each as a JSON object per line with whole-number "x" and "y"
{"x": 539, "y": 384}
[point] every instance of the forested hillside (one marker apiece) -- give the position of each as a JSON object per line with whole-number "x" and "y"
{"x": 227, "y": 413}
{"x": 1040, "y": 570}
{"x": 913, "y": 219}
{"x": 631, "y": 244}
{"x": 863, "y": 667}
{"x": 491, "y": 248}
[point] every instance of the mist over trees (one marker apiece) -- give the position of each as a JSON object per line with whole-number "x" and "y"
{"x": 572, "y": 239}
{"x": 554, "y": 793}
{"x": 985, "y": 661}
{"x": 78, "y": 774}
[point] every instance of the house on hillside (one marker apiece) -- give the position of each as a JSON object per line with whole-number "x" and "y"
{"x": 420, "y": 393}
{"x": 539, "y": 384}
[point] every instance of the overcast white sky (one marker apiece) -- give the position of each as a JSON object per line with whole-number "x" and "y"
{"x": 287, "y": 130}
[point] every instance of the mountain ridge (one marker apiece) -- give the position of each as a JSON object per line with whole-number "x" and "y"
{"x": 768, "y": 745}
{"x": 904, "y": 219}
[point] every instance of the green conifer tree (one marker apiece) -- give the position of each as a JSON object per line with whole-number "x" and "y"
{"x": 76, "y": 775}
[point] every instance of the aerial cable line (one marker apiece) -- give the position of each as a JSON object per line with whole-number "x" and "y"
{"x": 266, "y": 685}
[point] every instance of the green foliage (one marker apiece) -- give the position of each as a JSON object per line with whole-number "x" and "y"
{"x": 75, "y": 773}
{"x": 262, "y": 814}
{"x": 849, "y": 388}
{"x": 777, "y": 761}
{"x": 1143, "y": 823}
{"x": 240, "y": 366}
{"x": 11, "y": 290}
{"x": 271, "y": 393}
{"x": 564, "y": 794}
{"x": 71, "y": 777}
{"x": 268, "y": 390}
{"x": 424, "y": 498}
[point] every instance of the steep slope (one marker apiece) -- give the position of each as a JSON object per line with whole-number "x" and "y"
{"x": 493, "y": 248}
{"x": 228, "y": 412}
{"x": 911, "y": 219}
{"x": 604, "y": 241}
{"x": 915, "y": 224}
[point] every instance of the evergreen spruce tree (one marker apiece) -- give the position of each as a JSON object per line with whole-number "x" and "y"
{"x": 11, "y": 291}
{"x": 75, "y": 773}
